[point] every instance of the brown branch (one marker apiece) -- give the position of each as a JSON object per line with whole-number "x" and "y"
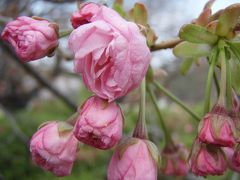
{"x": 165, "y": 44}
{"x": 38, "y": 77}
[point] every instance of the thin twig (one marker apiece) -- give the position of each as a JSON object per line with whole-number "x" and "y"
{"x": 176, "y": 100}
{"x": 38, "y": 77}
{"x": 13, "y": 122}
{"x": 166, "y": 44}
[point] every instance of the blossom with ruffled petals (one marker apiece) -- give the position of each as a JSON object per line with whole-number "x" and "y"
{"x": 218, "y": 128}
{"x": 53, "y": 148}
{"x": 110, "y": 53}
{"x": 99, "y": 123}
{"x": 134, "y": 158}
{"x": 32, "y": 38}
{"x": 174, "y": 161}
{"x": 207, "y": 159}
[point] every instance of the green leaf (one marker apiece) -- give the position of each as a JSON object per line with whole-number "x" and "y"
{"x": 139, "y": 14}
{"x": 186, "y": 65}
{"x": 228, "y": 20}
{"x": 203, "y": 18}
{"x": 197, "y": 34}
{"x": 235, "y": 48}
{"x": 150, "y": 74}
{"x": 235, "y": 70}
{"x": 118, "y": 7}
{"x": 191, "y": 50}
{"x": 151, "y": 37}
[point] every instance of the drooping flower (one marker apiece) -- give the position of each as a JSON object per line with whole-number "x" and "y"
{"x": 217, "y": 128}
{"x": 174, "y": 161}
{"x": 32, "y": 38}
{"x": 134, "y": 158}
{"x": 99, "y": 123}
{"x": 207, "y": 159}
{"x": 110, "y": 52}
{"x": 236, "y": 157}
{"x": 235, "y": 114}
{"x": 232, "y": 161}
{"x": 53, "y": 148}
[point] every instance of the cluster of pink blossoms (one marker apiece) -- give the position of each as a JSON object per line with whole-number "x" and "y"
{"x": 112, "y": 56}
{"x": 216, "y": 146}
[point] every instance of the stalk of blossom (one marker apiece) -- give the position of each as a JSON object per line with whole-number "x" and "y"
{"x": 232, "y": 161}
{"x": 217, "y": 128}
{"x": 134, "y": 158}
{"x": 99, "y": 123}
{"x": 206, "y": 159}
{"x": 32, "y": 38}
{"x": 110, "y": 52}
{"x": 54, "y": 148}
{"x": 174, "y": 161}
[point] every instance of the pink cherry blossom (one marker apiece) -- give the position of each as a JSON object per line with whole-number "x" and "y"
{"x": 110, "y": 52}
{"x": 232, "y": 161}
{"x": 207, "y": 159}
{"x": 99, "y": 123}
{"x": 133, "y": 160}
{"x": 54, "y": 150}
{"x": 31, "y": 38}
{"x": 175, "y": 161}
{"x": 236, "y": 157}
{"x": 218, "y": 128}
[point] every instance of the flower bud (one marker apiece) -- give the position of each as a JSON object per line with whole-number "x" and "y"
{"x": 236, "y": 156}
{"x": 53, "y": 148}
{"x": 32, "y": 38}
{"x": 217, "y": 128}
{"x": 134, "y": 158}
{"x": 174, "y": 161}
{"x": 235, "y": 115}
{"x": 99, "y": 123}
{"x": 206, "y": 159}
{"x": 232, "y": 162}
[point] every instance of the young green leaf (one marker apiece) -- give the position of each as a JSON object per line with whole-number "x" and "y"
{"x": 235, "y": 48}
{"x": 191, "y": 50}
{"x": 235, "y": 69}
{"x": 117, "y": 6}
{"x": 197, "y": 34}
{"x": 151, "y": 36}
{"x": 228, "y": 20}
{"x": 139, "y": 14}
{"x": 186, "y": 65}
